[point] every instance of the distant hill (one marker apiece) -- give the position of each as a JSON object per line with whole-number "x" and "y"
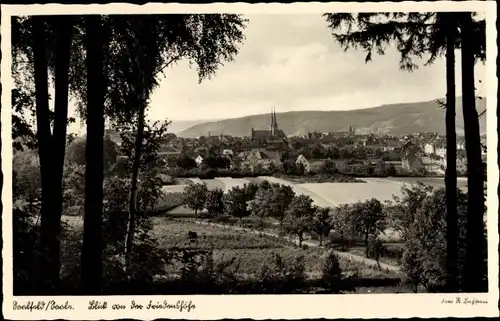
{"x": 395, "y": 119}
{"x": 180, "y": 125}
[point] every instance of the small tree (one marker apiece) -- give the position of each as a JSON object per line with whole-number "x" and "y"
{"x": 299, "y": 216}
{"x": 264, "y": 185}
{"x": 282, "y": 196}
{"x": 411, "y": 265}
{"x": 375, "y": 248}
{"x": 391, "y": 170}
{"x": 331, "y": 272}
{"x": 369, "y": 219}
{"x": 250, "y": 190}
{"x": 321, "y": 224}
{"x": 343, "y": 223}
{"x": 195, "y": 196}
{"x": 185, "y": 162}
{"x": 404, "y": 209}
{"x": 381, "y": 169}
{"x": 328, "y": 167}
{"x": 75, "y": 152}
{"x": 261, "y": 206}
{"x": 425, "y": 253}
{"x": 237, "y": 198}
{"x": 214, "y": 202}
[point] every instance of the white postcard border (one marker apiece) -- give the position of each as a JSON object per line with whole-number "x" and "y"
{"x": 210, "y": 307}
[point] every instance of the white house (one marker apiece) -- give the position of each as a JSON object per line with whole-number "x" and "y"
{"x": 302, "y": 160}
{"x": 429, "y": 148}
{"x": 441, "y": 152}
{"x": 199, "y": 160}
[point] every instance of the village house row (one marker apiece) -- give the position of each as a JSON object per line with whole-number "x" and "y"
{"x": 271, "y": 147}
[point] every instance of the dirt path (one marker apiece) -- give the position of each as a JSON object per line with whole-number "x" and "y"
{"x": 346, "y": 255}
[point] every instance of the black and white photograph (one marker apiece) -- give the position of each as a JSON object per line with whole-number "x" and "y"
{"x": 245, "y": 152}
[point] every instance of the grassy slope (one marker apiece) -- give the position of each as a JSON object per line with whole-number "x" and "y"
{"x": 396, "y": 119}
{"x": 251, "y": 250}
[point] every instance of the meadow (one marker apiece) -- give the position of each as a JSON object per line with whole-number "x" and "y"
{"x": 250, "y": 250}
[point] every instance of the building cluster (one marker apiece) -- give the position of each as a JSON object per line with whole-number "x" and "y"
{"x": 271, "y": 147}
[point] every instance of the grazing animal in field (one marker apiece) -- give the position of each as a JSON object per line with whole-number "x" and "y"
{"x": 193, "y": 237}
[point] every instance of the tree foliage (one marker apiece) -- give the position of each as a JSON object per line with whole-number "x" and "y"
{"x": 237, "y": 198}
{"x": 343, "y": 223}
{"x": 403, "y": 210}
{"x": 369, "y": 218}
{"x": 75, "y": 152}
{"x": 299, "y": 216}
{"x": 195, "y": 196}
{"x": 425, "y": 254}
{"x": 214, "y": 202}
{"x": 261, "y": 205}
{"x": 415, "y": 35}
{"x": 321, "y": 224}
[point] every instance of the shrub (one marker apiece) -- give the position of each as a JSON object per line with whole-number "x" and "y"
{"x": 331, "y": 272}
{"x": 170, "y": 201}
{"x": 375, "y": 248}
{"x": 283, "y": 276}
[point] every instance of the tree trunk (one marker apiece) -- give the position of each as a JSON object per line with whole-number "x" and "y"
{"x": 133, "y": 188}
{"x": 195, "y": 214}
{"x": 94, "y": 155}
{"x": 366, "y": 244}
{"x": 320, "y": 239}
{"x": 451, "y": 157}
{"x": 51, "y": 147}
{"x": 300, "y": 240}
{"x": 342, "y": 241}
{"x": 475, "y": 262}
{"x": 141, "y": 84}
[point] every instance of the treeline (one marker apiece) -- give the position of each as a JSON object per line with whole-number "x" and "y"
{"x": 417, "y": 219}
{"x": 341, "y": 171}
{"x": 110, "y": 64}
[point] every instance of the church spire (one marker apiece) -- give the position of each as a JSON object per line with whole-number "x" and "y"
{"x": 272, "y": 120}
{"x": 275, "y": 120}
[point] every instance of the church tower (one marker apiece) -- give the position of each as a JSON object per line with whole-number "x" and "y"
{"x": 275, "y": 121}
{"x": 273, "y": 130}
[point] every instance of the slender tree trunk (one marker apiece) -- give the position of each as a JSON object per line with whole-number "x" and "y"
{"x": 49, "y": 274}
{"x": 320, "y": 239}
{"x": 366, "y": 244}
{"x": 94, "y": 171}
{"x": 141, "y": 84}
{"x": 133, "y": 188}
{"x": 51, "y": 147}
{"x": 475, "y": 262}
{"x": 451, "y": 158}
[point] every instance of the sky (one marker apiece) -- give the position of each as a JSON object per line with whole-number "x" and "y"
{"x": 293, "y": 63}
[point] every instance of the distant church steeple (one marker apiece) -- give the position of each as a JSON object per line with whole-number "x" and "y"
{"x": 274, "y": 122}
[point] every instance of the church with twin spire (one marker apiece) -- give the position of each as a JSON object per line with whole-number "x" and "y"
{"x": 269, "y": 134}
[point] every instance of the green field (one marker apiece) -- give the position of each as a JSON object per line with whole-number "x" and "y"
{"x": 250, "y": 250}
